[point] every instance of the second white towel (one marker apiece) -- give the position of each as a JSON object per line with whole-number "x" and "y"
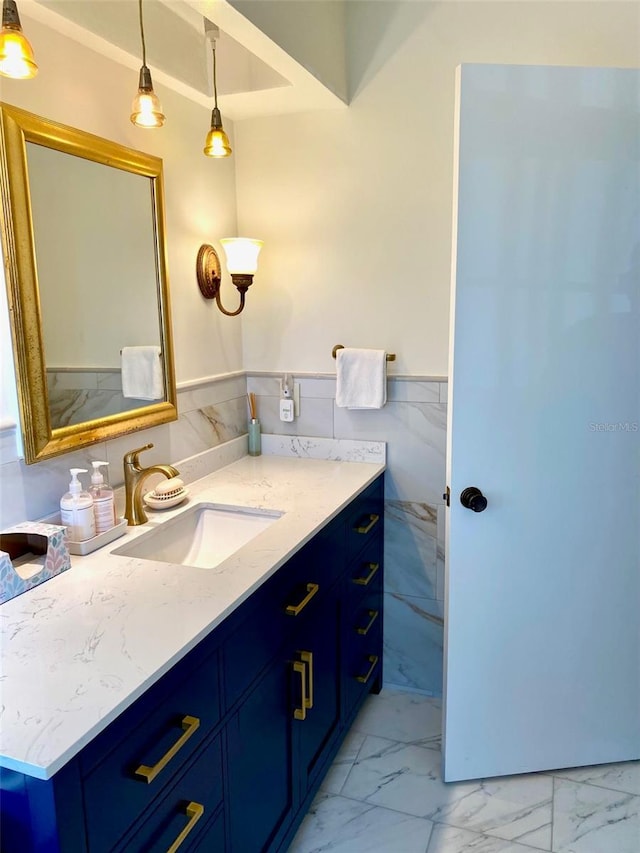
{"x": 361, "y": 378}
{"x": 142, "y": 373}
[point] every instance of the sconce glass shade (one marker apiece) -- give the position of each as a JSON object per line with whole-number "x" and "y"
{"x": 16, "y": 54}
{"x": 146, "y": 109}
{"x": 217, "y": 142}
{"x": 242, "y": 254}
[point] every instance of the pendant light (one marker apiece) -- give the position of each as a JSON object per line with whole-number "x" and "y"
{"x": 146, "y": 110}
{"x": 16, "y": 54}
{"x": 217, "y": 142}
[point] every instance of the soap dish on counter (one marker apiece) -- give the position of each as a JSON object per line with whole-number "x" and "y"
{"x": 81, "y": 549}
{"x": 152, "y": 500}
{"x": 166, "y": 494}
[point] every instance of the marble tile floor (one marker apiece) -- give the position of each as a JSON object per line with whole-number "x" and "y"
{"x": 384, "y": 794}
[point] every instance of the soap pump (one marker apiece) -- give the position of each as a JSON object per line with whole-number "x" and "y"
{"x": 76, "y": 509}
{"x": 103, "y": 502}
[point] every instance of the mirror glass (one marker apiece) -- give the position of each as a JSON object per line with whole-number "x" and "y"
{"x": 83, "y": 229}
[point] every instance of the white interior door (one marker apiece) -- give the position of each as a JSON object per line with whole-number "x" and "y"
{"x": 542, "y": 649}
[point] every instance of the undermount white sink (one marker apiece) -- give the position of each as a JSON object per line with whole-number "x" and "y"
{"x": 202, "y": 536}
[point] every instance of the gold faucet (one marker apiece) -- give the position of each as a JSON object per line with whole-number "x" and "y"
{"x": 134, "y": 477}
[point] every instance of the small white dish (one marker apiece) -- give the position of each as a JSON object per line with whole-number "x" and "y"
{"x": 155, "y": 502}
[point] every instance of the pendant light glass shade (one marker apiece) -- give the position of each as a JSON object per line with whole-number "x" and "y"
{"x": 16, "y": 54}
{"x": 146, "y": 109}
{"x": 217, "y": 142}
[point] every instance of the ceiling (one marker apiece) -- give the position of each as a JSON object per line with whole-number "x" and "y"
{"x": 255, "y": 75}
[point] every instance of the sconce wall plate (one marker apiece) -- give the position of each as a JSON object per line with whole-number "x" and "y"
{"x": 208, "y": 271}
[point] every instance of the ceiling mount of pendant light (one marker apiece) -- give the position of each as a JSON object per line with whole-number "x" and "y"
{"x": 16, "y": 54}
{"x": 217, "y": 142}
{"x": 146, "y": 110}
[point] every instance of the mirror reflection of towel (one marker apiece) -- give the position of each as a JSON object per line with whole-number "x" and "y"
{"x": 142, "y": 373}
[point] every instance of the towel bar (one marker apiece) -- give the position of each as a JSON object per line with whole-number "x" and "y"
{"x": 391, "y": 356}
{"x": 159, "y": 354}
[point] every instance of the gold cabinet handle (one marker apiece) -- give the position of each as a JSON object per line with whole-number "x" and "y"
{"x": 365, "y": 527}
{"x": 301, "y": 712}
{"x": 194, "y": 812}
{"x": 189, "y": 726}
{"x": 295, "y": 609}
{"x": 373, "y": 615}
{"x": 373, "y": 568}
{"x": 307, "y": 657}
{"x": 373, "y": 660}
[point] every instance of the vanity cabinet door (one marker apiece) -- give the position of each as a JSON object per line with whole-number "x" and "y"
{"x": 259, "y": 765}
{"x": 316, "y": 646}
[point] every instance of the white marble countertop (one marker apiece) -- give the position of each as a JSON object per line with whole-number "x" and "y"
{"x": 80, "y": 648}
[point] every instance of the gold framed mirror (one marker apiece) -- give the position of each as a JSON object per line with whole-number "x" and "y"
{"x": 83, "y": 238}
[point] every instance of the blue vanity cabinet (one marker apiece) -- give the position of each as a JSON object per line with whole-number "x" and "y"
{"x": 225, "y": 752}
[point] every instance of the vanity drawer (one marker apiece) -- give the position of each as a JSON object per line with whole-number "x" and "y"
{"x": 292, "y": 597}
{"x": 365, "y": 519}
{"x": 119, "y": 788}
{"x": 365, "y": 571}
{"x": 186, "y": 810}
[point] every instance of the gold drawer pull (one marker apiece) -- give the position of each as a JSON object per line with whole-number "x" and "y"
{"x": 301, "y": 712}
{"x": 373, "y": 660}
{"x": 189, "y": 726}
{"x": 373, "y": 615}
{"x": 295, "y": 609}
{"x": 364, "y": 527}
{"x": 307, "y": 657}
{"x": 194, "y": 812}
{"x": 373, "y": 568}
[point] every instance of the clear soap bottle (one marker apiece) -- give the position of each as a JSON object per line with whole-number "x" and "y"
{"x": 76, "y": 510}
{"x": 104, "y": 510}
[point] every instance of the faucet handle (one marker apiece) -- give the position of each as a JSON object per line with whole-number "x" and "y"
{"x": 131, "y": 458}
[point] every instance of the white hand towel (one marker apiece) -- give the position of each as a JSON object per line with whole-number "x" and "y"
{"x": 142, "y": 373}
{"x": 361, "y": 378}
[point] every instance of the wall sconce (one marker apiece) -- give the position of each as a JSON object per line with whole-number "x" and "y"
{"x": 16, "y": 54}
{"x": 242, "y": 263}
{"x": 146, "y": 109}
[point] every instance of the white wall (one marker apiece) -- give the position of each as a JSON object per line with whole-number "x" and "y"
{"x": 355, "y": 206}
{"x": 80, "y": 88}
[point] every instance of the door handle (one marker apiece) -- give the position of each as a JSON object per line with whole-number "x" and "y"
{"x": 473, "y": 499}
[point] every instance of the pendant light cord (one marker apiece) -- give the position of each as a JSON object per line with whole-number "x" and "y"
{"x": 215, "y": 84}
{"x": 144, "y": 48}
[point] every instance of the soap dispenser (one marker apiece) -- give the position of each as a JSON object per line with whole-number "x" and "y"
{"x": 103, "y": 503}
{"x": 76, "y": 510}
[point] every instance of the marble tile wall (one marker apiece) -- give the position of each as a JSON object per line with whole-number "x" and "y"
{"x": 413, "y": 425}
{"x": 210, "y": 414}
{"x": 76, "y": 396}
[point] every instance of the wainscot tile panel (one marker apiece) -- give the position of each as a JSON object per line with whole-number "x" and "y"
{"x": 316, "y": 417}
{"x": 207, "y": 427}
{"x": 410, "y": 548}
{"x": 413, "y": 640}
{"x": 211, "y": 393}
{"x": 411, "y": 391}
{"x": 416, "y": 438}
